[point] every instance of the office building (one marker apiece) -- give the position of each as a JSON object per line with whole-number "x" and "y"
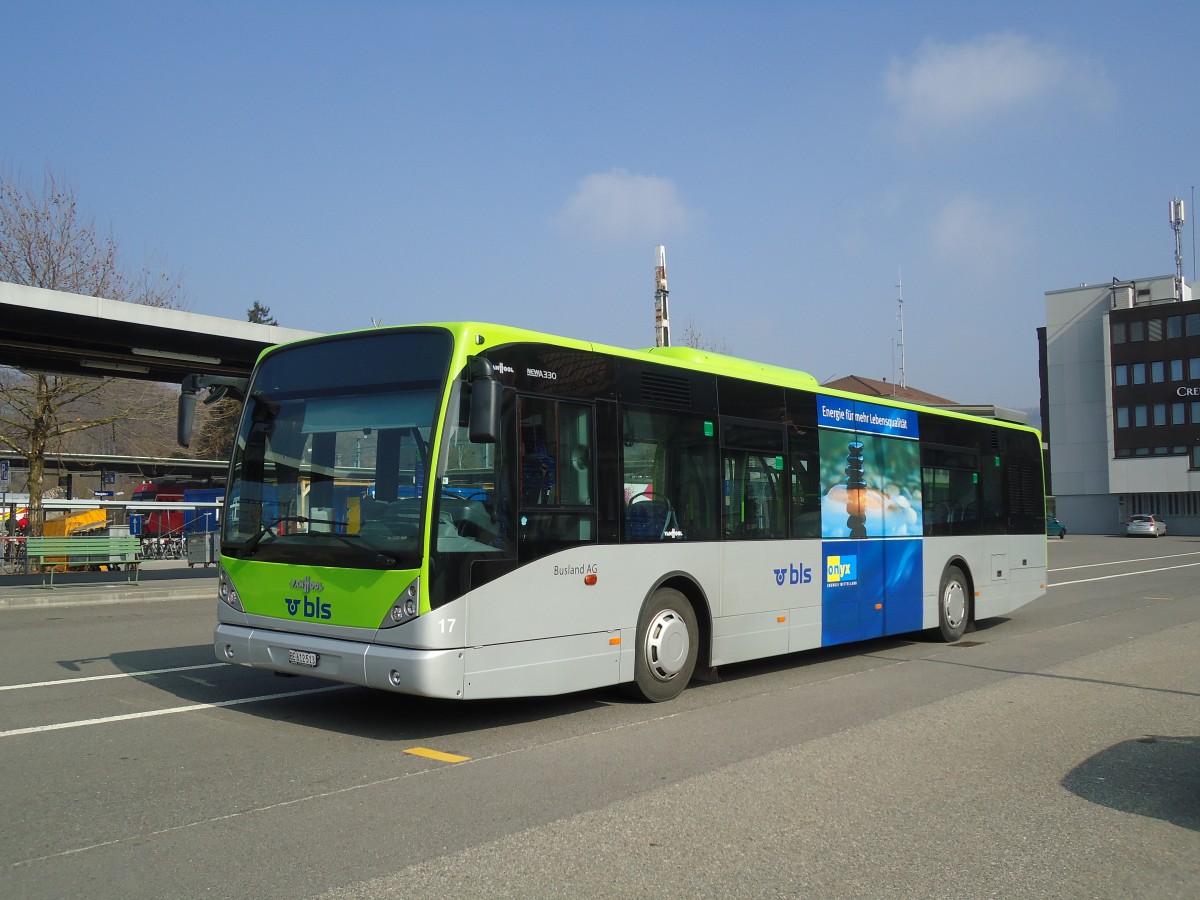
{"x": 1121, "y": 403}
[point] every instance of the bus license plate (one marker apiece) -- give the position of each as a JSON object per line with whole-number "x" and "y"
{"x": 303, "y": 658}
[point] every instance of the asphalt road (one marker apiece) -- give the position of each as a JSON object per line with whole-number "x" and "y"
{"x": 1052, "y": 753}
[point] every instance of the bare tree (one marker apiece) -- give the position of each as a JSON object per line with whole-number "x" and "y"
{"x": 216, "y": 429}
{"x": 47, "y": 242}
{"x": 149, "y": 432}
{"x": 692, "y": 337}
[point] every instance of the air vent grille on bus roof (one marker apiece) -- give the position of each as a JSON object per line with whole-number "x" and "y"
{"x": 667, "y": 390}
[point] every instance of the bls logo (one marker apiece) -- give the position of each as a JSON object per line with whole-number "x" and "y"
{"x": 802, "y": 575}
{"x": 841, "y": 569}
{"x": 313, "y": 609}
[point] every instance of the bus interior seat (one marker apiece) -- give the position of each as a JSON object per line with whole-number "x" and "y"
{"x": 649, "y": 520}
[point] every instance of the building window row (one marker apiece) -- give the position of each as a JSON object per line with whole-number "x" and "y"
{"x": 1175, "y": 503}
{"x": 1167, "y": 328}
{"x": 1151, "y": 451}
{"x": 1139, "y": 453}
{"x": 1193, "y": 453}
{"x": 1157, "y": 372}
{"x": 1145, "y": 414}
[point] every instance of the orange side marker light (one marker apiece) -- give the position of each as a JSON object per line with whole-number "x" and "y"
{"x": 589, "y": 579}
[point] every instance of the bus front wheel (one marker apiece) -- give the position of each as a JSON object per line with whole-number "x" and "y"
{"x": 954, "y": 605}
{"x": 667, "y": 644}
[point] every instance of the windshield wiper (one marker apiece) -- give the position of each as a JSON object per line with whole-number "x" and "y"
{"x": 376, "y": 555}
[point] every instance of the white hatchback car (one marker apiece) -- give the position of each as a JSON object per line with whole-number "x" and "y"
{"x": 1145, "y": 525}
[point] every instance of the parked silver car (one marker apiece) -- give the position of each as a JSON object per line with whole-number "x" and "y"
{"x": 1150, "y": 526}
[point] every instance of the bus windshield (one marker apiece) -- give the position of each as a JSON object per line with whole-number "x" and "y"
{"x": 331, "y": 462}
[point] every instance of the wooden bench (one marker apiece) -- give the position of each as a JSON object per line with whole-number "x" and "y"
{"x": 84, "y": 550}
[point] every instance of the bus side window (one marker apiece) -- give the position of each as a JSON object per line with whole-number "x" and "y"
{"x": 754, "y": 500}
{"x": 803, "y": 466}
{"x": 669, "y": 460}
{"x": 806, "y": 498}
{"x": 951, "y": 500}
{"x": 753, "y": 486}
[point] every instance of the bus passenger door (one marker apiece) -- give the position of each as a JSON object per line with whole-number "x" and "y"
{"x": 556, "y": 463}
{"x": 752, "y": 461}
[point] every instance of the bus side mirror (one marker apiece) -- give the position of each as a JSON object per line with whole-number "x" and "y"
{"x": 187, "y": 409}
{"x": 484, "y": 426}
{"x": 218, "y": 386}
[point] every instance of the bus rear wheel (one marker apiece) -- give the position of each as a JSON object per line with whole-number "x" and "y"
{"x": 954, "y": 605}
{"x": 667, "y": 644}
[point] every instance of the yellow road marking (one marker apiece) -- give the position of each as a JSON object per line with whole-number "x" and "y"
{"x": 437, "y": 754}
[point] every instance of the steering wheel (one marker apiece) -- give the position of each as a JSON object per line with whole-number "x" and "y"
{"x": 474, "y": 496}
{"x": 649, "y": 496}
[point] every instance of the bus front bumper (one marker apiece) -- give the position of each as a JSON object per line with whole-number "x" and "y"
{"x": 426, "y": 673}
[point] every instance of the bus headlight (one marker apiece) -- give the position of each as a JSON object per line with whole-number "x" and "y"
{"x": 226, "y": 592}
{"x": 406, "y": 607}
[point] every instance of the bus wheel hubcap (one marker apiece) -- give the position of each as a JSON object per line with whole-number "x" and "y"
{"x": 956, "y": 604}
{"x": 667, "y": 645}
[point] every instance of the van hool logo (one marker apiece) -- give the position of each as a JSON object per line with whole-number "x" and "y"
{"x": 793, "y": 575}
{"x": 312, "y": 609}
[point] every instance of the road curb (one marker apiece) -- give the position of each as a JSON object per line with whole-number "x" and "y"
{"x": 35, "y": 597}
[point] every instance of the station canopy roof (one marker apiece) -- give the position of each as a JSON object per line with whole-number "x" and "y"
{"x": 70, "y": 334}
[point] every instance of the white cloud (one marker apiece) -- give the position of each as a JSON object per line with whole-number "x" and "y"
{"x": 983, "y": 241}
{"x": 621, "y": 205}
{"x": 950, "y": 85}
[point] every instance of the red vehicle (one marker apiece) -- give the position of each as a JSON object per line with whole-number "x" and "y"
{"x": 164, "y": 490}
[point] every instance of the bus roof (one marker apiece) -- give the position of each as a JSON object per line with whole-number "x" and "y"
{"x": 484, "y": 336}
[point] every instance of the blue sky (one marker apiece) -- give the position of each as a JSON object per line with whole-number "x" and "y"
{"x": 520, "y": 163}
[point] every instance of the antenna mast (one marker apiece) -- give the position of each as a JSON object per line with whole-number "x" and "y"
{"x": 900, "y": 316}
{"x": 1177, "y": 218}
{"x": 662, "y": 318}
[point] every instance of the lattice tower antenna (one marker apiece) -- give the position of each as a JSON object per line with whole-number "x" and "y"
{"x": 900, "y": 317}
{"x": 1177, "y": 217}
{"x": 662, "y": 317}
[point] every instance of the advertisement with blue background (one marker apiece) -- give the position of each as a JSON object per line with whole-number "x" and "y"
{"x": 870, "y": 519}
{"x": 870, "y": 588}
{"x": 870, "y": 470}
{"x": 865, "y": 418}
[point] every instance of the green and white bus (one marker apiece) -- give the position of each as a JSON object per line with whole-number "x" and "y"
{"x": 470, "y": 511}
